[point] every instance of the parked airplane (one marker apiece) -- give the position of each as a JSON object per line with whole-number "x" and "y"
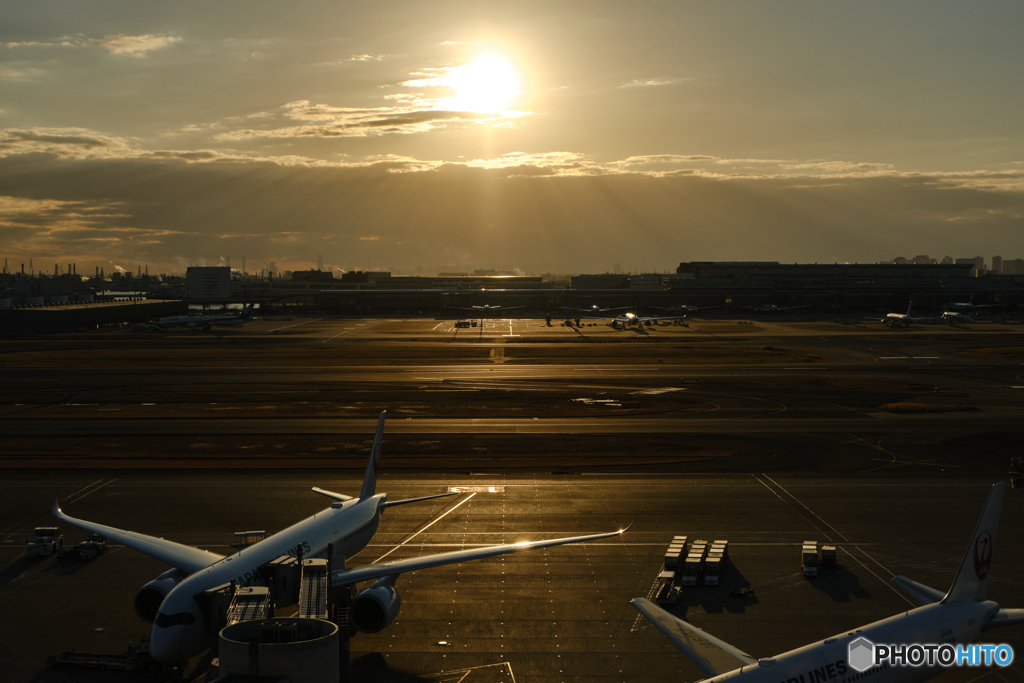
{"x": 684, "y": 309}
{"x": 958, "y": 617}
{"x": 628, "y": 319}
{"x": 954, "y": 317}
{"x": 205, "y": 322}
{"x": 348, "y": 525}
{"x": 591, "y": 312}
{"x": 902, "y": 319}
{"x": 967, "y": 307}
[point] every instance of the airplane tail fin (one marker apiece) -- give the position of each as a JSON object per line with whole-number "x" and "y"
{"x": 370, "y": 480}
{"x": 247, "y": 313}
{"x": 972, "y": 578}
{"x": 909, "y": 306}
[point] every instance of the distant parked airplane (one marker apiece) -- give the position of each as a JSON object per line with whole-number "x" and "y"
{"x": 683, "y": 309}
{"x": 954, "y": 317}
{"x": 180, "y": 630}
{"x": 591, "y": 311}
{"x": 205, "y": 322}
{"x": 956, "y": 618}
{"x": 629, "y": 319}
{"x": 902, "y": 319}
{"x": 967, "y": 307}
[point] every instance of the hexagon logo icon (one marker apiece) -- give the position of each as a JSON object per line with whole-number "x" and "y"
{"x": 861, "y": 655}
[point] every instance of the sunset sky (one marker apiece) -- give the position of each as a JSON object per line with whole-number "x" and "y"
{"x": 540, "y": 136}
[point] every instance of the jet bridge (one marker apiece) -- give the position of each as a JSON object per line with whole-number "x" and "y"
{"x": 250, "y": 604}
{"x": 314, "y": 590}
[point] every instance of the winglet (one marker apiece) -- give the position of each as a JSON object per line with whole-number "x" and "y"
{"x": 370, "y": 480}
{"x": 972, "y": 577}
{"x": 55, "y": 508}
{"x": 622, "y": 531}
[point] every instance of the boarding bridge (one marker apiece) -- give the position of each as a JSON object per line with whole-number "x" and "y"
{"x": 314, "y": 599}
{"x": 251, "y": 603}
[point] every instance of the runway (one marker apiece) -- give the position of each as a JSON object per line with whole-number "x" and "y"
{"x": 704, "y": 424}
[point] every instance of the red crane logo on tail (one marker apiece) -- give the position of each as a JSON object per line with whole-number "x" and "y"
{"x": 982, "y": 555}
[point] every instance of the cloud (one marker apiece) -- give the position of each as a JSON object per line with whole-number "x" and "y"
{"x": 652, "y": 82}
{"x": 137, "y": 46}
{"x": 554, "y": 211}
{"x": 647, "y": 159}
{"x": 366, "y": 58}
{"x": 130, "y": 46}
{"x": 26, "y": 73}
{"x": 323, "y": 121}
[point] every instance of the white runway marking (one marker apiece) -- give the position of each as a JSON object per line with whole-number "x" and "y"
{"x": 432, "y": 523}
{"x": 295, "y": 324}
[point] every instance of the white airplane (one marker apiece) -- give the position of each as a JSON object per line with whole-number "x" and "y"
{"x": 954, "y": 317}
{"x": 895, "y": 320}
{"x": 205, "y": 322}
{"x": 684, "y": 309}
{"x": 958, "y": 617}
{"x": 629, "y": 319}
{"x": 968, "y": 306}
{"x": 591, "y": 310}
{"x": 169, "y": 601}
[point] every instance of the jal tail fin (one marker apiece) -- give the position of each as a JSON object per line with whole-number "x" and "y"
{"x": 909, "y": 305}
{"x": 972, "y": 578}
{"x": 370, "y": 480}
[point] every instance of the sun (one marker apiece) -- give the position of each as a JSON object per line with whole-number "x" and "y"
{"x": 488, "y": 84}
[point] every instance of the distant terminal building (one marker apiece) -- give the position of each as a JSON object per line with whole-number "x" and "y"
{"x": 204, "y": 283}
{"x": 1013, "y": 266}
{"x": 456, "y": 281}
{"x": 312, "y": 276}
{"x": 978, "y": 263}
{"x": 603, "y": 281}
{"x": 830, "y": 274}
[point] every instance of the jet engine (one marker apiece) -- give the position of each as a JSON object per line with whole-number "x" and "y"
{"x": 151, "y": 596}
{"x": 375, "y": 607}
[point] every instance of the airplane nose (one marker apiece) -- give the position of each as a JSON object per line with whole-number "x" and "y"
{"x": 164, "y": 645}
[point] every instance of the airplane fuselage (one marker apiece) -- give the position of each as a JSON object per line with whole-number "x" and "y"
{"x": 826, "y": 661}
{"x": 180, "y": 632}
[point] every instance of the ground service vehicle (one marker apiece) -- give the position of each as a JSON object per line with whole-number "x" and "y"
{"x": 93, "y": 545}
{"x": 712, "y": 570}
{"x": 809, "y": 553}
{"x": 46, "y": 542}
{"x": 691, "y": 569}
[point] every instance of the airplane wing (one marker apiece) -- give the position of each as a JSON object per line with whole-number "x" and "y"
{"x": 711, "y": 655}
{"x": 920, "y": 592}
{"x": 345, "y": 577}
{"x": 331, "y": 494}
{"x": 1004, "y": 617}
{"x": 183, "y": 557}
